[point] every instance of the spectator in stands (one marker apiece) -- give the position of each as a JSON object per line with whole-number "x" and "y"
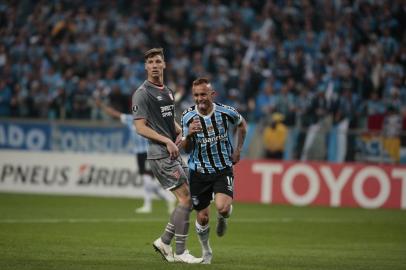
{"x": 285, "y": 102}
{"x": 58, "y": 104}
{"x": 5, "y": 99}
{"x": 344, "y": 111}
{"x": 265, "y": 102}
{"x": 392, "y": 127}
{"x": 314, "y": 146}
{"x": 274, "y": 137}
{"x": 81, "y": 101}
{"x": 374, "y": 105}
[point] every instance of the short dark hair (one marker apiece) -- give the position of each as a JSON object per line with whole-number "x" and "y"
{"x": 201, "y": 80}
{"x": 154, "y": 51}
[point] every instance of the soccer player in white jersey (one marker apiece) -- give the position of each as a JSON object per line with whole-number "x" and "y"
{"x": 140, "y": 144}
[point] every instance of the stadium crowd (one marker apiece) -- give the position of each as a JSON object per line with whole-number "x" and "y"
{"x": 308, "y": 60}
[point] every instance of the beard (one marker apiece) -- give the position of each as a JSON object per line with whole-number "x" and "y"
{"x": 204, "y": 107}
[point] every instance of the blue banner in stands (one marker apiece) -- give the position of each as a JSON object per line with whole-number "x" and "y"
{"x": 64, "y": 137}
{"x": 25, "y": 136}
{"x": 91, "y": 139}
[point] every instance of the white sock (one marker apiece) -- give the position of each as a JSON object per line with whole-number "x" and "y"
{"x": 148, "y": 190}
{"x": 165, "y": 194}
{"x": 203, "y": 232}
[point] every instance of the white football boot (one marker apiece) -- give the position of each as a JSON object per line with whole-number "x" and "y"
{"x": 186, "y": 257}
{"x": 207, "y": 256}
{"x": 164, "y": 249}
{"x": 143, "y": 210}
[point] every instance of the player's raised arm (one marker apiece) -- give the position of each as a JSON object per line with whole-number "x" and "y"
{"x": 108, "y": 109}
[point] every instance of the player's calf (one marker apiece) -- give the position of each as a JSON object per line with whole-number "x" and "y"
{"x": 221, "y": 227}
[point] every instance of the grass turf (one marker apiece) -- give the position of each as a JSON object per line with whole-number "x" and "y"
{"x": 57, "y": 232}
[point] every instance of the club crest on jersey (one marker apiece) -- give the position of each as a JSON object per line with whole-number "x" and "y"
{"x": 135, "y": 108}
{"x": 176, "y": 174}
{"x": 195, "y": 200}
{"x": 159, "y": 98}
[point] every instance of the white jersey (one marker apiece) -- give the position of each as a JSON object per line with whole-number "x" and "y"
{"x": 140, "y": 143}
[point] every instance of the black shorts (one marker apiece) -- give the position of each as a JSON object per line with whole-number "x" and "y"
{"x": 143, "y": 166}
{"x": 203, "y": 186}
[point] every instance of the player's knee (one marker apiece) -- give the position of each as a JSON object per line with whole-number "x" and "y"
{"x": 224, "y": 210}
{"x": 183, "y": 195}
{"x": 187, "y": 202}
{"x": 203, "y": 218}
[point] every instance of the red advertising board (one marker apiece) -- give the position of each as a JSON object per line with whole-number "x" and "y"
{"x": 319, "y": 183}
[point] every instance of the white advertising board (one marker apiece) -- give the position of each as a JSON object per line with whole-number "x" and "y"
{"x": 70, "y": 173}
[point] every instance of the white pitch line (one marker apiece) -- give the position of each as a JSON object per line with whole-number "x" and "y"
{"x": 82, "y": 220}
{"x": 145, "y": 220}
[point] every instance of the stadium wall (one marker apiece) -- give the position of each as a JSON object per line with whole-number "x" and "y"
{"x": 261, "y": 181}
{"x": 95, "y": 159}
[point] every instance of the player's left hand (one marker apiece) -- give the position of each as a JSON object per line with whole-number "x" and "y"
{"x": 178, "y": 140}
{"x": 173, "y": 150}
{"x": 195, "y": 127}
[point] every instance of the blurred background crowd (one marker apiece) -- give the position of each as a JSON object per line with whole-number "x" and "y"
{"x": 310, "y": 65}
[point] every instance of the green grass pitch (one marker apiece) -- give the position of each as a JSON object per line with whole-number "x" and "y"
{"x": 62, "y": 232}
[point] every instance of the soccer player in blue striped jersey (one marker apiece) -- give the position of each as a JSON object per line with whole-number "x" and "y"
{"x": 208, "y": 129}
{"x": 140, "y": 147}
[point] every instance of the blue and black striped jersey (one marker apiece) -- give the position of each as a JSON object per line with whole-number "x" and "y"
{"x": 212, "y": 146}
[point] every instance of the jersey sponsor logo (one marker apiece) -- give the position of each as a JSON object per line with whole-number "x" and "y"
{"x": 212, "y": 139}
{"x": 227, "y": 107}
{"x": 176, "y": 174}
{"x": 135, "y": 108}
{"x": 230, "y": 183}
{"x": 195, "y": 200}
{"x": 167, "y": 110}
